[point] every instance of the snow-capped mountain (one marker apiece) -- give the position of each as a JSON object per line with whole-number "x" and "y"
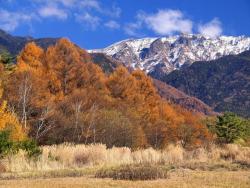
{"x": 170, "y": 53}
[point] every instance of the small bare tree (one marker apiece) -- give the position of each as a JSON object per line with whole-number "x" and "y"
{"x": 77, "y": 112}
{"x": 45, "y": 123}
{"x": 24, "y": 97}
{"x": 92, "y": 115}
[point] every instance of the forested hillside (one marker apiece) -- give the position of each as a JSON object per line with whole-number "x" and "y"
{"x": 14, "y": 45}
{"x": 223, "y": 84}
{"x": 176, "y": 96}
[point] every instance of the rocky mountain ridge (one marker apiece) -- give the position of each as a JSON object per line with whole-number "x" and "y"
{"x": 166, "y": 54}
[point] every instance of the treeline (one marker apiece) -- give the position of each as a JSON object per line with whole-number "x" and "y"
{"x": 59, "y": 95}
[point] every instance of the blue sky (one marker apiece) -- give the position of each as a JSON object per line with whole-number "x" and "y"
{"x": 99, "y": 23}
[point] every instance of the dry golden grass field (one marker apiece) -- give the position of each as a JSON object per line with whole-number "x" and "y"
{"x": 74, "y": 166}
{"x": 192, "y": 179}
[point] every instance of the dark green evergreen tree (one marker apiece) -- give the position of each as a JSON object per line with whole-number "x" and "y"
{"x": 230, "y": 127}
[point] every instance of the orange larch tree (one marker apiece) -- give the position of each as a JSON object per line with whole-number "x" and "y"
{"x": 64, "y": 63}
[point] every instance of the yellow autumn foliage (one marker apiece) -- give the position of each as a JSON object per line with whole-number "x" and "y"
{"x": 9, "y": 121}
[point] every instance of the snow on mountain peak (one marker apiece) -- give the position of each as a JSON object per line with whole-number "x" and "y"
{"x": 175, "y": 51}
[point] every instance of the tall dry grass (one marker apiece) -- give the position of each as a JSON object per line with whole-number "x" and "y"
{"x": 69, "y": 156}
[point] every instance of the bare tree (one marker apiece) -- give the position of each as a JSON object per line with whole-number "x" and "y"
{"x": 24, "y": 97}
{"x": 91, "y": 125}
{"x": 45, "y": 124}
{"x": 77, "y": 110}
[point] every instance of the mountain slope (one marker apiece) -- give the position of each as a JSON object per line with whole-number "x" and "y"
{"x": 107, "y": 64}
{"x": 170, "y": 53}
{"x": 14, "y": 44}
{"x": 178, "y": 97}
{"x": 223, "y": 84}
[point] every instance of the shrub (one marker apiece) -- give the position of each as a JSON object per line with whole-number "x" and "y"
{"x": 229, "y": 128}
{"x": 81, "y": 159}
{"x": 6, "y": 58}
{"x": 8, "y": 146}
{"x": 30, "y": 147}
{"x": 133, "y": 172}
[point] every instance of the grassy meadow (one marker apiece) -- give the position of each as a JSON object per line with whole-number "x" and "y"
{"x": 69, "y": 165}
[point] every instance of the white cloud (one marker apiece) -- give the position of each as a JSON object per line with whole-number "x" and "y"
{"x": 89, "y": 20}
{"x": 52, "y": 11}
{"x": 211, "y": 29}
{"x": 112, "y": 24}
{"x": 114, "y": 12}
{"x": 61, "y": 8}
{"x": 90, "y": 4}
{"x": 88, "y": 12}
{"x": 67, "y": 3}
{"x": 9, "y": 21}
{"x": 132, "y": 29}
{"x": 167, "y": 22}
{"x": 73, "y": 4}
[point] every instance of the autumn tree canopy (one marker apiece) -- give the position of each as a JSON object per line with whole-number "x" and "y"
{"x": 59, "y": 96}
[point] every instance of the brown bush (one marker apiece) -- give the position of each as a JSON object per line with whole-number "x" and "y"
{"x": 133, "y": 172}
{"x": 81, "y": 159}
{"x": 2, "y": 168}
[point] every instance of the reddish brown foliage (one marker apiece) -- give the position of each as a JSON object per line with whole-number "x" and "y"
{"x": 62, "y": 96}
